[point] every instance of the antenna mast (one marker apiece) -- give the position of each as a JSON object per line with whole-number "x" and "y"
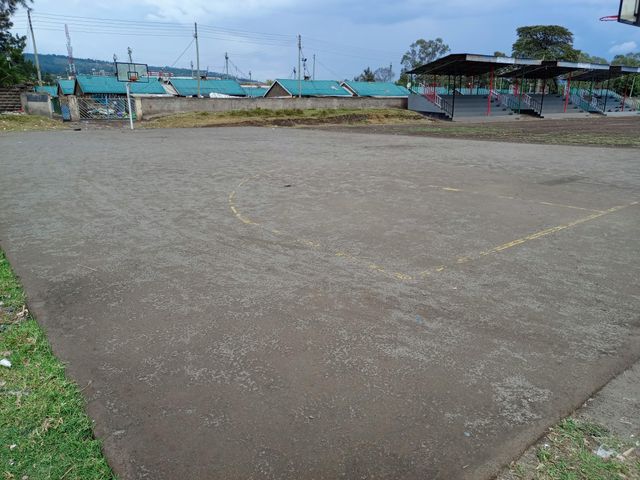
{"x": 72, "y": 65}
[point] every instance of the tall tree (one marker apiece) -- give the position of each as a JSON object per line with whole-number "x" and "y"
{"x": 384, "y": 74}
{"x": 420, "y": 52}
{"x": 624, "y": 85}
{"x": 586, "y": 58}
{"x": 13, "y": 67}
{"x": 423, "y": 51}
{"x": 366, "y": 76}
{"x": 548, "y": 42}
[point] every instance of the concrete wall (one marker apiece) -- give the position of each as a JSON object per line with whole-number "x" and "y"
{"x": 37, "y": 104}
{"x": 148, "y": 107}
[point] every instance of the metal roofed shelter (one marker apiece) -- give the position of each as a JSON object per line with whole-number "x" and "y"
{"x": 459, "y": 65}
{"x": 375, "y": 89}
{"x": 255, "y": 92}
{"x": 188, "y": 87}
{"x": 309, "y": 88}
{"x": 601, "y": 75}
{"x": 109, "y": 85}
{"x": 66, "y": 86}
{"x": 52, "y": 90}
{"x": 546, "y": 70}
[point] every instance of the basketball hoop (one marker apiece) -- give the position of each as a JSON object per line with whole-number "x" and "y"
{"x": 609, "y": 18}
{"x": 133, "y": 77}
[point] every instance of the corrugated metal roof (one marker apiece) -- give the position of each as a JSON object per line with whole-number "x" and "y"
{"x": 111, "y": 85}
{"x": 314, "y": 88}
{"x": 256, "y": 91}
{"x": 50, "y": 89}
{"x": 377, "y": 89}
{"x": 67, "y": 86}
{"x": 188, "y": 87}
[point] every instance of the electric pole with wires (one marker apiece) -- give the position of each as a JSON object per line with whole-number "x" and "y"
{"x": 35, "y": 49}
{"x": 195, "y": 35}
{"x": 299, "y": 66}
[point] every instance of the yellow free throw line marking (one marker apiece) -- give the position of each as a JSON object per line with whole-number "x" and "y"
{"x": 474, "y": 192}
{"x": 460, "y": 260}
{"x": 549, "y": 231}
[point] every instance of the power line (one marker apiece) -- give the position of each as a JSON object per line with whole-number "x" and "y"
{"x": 335, "y": 75}
{"x": 183, "y": 52}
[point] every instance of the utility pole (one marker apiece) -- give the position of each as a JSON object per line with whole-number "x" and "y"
{"x": 249, "y": 75}
{"x": 313, "y": 73}
{"x": 191, "y": 68}
{"x": 72, "y": 66}
{"x": 35, "y": 49}
{"x": 226, "y": 63}
{"x": 130, "y": 52}
{"x": 299, "y": 66}
{"x": 197, "y": 56}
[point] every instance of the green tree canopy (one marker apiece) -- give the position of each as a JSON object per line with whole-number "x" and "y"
{"x": 585, "y": 57}
{"x": 13, "y": 67}
{"x": 384, "y": 74}
{"x": 423, "y": 51}
{"x": 366, "y": 76}
{"x": 548, "y": 42}
{"x": 630, "y": 60}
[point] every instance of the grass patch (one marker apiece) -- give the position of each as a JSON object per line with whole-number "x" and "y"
{"x": 24, "y": 123}
{"x": 511, "y": 134}
{"x": 567, "y": 453}
{"x": 286, "y": 117}
{"x": 44, "y": 431}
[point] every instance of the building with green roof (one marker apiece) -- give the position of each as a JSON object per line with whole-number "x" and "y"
{"x": 188, "y": 87}
{"x": 255, "y": 92}
{"x": 52, "y": 90}
{"x": 376, "y": 89}
{"x": 66, "y": 86}
{"x": 90, "y": 85}
{"x": 309, "y": 88}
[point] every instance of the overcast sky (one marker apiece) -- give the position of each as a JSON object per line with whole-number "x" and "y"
{"x": 344, "y": 36}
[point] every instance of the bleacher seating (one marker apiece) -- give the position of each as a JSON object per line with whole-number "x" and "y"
{"x": 476, "y": 106}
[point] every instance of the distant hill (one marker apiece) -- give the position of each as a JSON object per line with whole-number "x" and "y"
{"x": 56, "y": 65}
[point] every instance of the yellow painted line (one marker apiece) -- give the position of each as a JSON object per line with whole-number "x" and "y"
{"x": 549, "y": 231}
{"x": 460, "y": 260}
{"x": 551, "y": 204}
{"x": 508, "y": 197}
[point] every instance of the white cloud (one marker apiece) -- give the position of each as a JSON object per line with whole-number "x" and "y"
{"x": 189, "y": 10}
{"x": 625, "y": 47}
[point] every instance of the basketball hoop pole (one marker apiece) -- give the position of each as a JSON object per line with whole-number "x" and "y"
{"x": 129, "y": 102}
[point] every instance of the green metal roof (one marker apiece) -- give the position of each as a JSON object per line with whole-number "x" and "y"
{"x": 67, "y": 86}
{"x": 377, "y": 89}
{"x": 111, "y": 85}
{"x": 50, "y": 89}
{"x": 188, "y": 87}
{"x": 314, "y": 88}
{"x": 256, "y": 91}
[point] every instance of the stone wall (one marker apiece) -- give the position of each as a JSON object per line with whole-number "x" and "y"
{"x": 149, "y": 107}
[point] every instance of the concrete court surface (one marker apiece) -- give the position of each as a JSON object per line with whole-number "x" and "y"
{"x": 282, "y": 303}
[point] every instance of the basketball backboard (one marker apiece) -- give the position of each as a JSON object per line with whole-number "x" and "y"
{"x": 629, "y": 12}
{"x": 132, "y": 72}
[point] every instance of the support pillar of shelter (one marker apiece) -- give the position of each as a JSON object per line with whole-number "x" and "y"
{"x": 566, "y": 94}
{"x": 490, "y": 90}
{"x": 606, "y": 97}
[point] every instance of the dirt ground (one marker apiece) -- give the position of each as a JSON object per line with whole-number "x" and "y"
{"x": 293, "y": 303}
{"x": 597, "y": 131}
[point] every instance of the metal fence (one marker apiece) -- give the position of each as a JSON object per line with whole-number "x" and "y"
{"x": 104, "y": 108}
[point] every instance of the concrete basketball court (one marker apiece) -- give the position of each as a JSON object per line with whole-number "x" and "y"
{"x": 286, "y": 304}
